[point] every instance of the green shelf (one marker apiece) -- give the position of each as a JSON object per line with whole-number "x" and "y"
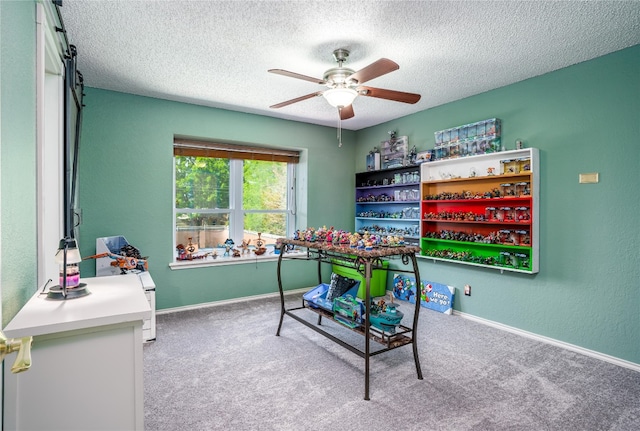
{"x": 522, "y": 248}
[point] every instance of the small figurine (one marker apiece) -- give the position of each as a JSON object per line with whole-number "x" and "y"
{"x": 330, "y": 235}
{"x": 191, "y": 248}
{"x": 412, "y": 155}
{"x": 260, "y": 249}
{"x": 353, "y": 240}
{"x": 245, "y": 246}
{"x": 310, "y": 235}
{"x": 344, "y": 238}
{"x": 228, "y": 245}
{"x": 491, "y": 171}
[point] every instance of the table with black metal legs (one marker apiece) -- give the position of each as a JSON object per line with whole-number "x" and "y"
{"x": 364, "y": 261}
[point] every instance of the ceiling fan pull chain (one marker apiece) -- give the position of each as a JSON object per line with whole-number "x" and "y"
{"x": 339, "y": 127}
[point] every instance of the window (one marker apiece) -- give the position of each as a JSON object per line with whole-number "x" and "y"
{"x": 231, "y": 191}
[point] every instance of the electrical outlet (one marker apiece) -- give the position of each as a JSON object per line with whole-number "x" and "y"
{"x": 467, "y": 290}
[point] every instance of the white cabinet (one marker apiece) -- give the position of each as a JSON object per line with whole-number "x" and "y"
{"x": 149, "y": 325}
{"x": 87, "y": 370}
{"x": 105, "y": 266}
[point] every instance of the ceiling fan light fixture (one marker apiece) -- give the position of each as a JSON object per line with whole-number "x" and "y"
{"x": 340, "y": 97}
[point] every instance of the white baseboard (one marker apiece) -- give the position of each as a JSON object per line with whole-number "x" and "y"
{"x": 562, "y": 344}
{"x": 231, "y": 301}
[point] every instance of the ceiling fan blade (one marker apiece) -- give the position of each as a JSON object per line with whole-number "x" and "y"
{"x": 375, "y": 69}
{"x": 397, "y": 96}
{"x": 346, "y": 112}
{"x": 297, "y": 99}
{"x": 296, "y": 75}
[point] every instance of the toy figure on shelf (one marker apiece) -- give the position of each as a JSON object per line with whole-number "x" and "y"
{"x": 330, "y": 235}
{"x": 260, "y": 248}
{"x": 191, "y": 248}
{"x": 412, "y": 155}
{"x": 189, "y": 251}
{"x": 245, "y": 246}
{"x": 366, "y": 237}
{"x": 228, "y": 245}
{"x": 310, "y": 235}
{"x": 344, "y": 238}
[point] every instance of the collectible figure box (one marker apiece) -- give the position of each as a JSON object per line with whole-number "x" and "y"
{"x": 348, "y": 310}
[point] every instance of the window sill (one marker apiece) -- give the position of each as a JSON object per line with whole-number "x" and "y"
{"x": 227, "y": 260}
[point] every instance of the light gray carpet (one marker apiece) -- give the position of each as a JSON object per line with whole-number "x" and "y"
{"x": 223, "y": 368}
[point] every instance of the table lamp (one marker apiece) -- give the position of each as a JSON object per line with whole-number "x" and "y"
{"x": 68, "y": 257}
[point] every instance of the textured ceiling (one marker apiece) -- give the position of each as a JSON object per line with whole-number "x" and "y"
{"x": 217, "y": 53}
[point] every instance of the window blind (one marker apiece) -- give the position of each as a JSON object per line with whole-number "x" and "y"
{"x": 195, "y": 148}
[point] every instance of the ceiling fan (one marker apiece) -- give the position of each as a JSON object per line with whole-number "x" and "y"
{"x": 345, "y": 84}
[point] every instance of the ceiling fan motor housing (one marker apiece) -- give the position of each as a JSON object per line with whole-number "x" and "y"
{"x": 337, "y": 77}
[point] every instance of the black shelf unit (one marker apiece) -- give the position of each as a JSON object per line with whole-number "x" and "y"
{"x": 388, "y": 202}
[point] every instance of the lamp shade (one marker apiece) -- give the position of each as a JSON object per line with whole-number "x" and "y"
{"x": 340, "y": 97}
{"x": 73, "y": 254}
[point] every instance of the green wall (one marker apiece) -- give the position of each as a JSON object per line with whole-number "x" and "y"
{"x": 584, "y": 118}
{"x": 18, "y": 212}
{"x": 126, "y": 187}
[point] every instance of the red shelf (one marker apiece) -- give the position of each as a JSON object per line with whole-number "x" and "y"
{"x": 507, "y": 223}
{"x": 482, "y": 200}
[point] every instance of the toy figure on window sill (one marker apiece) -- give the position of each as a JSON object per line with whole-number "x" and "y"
{"x": 228, "y": 245}
{"x": 260, "y": 249}
{"x": 245, "y": 246}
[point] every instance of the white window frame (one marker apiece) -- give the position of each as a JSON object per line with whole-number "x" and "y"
{"x": 49, "y": 131}
{"x": 236, "y": 216}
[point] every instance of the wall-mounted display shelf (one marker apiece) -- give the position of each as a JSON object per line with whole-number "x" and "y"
{"x": 482, "y": 210}
{"x": 388, "y": 202}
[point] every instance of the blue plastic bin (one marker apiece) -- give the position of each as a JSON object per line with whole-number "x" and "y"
{"x": 317, "y": 297}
